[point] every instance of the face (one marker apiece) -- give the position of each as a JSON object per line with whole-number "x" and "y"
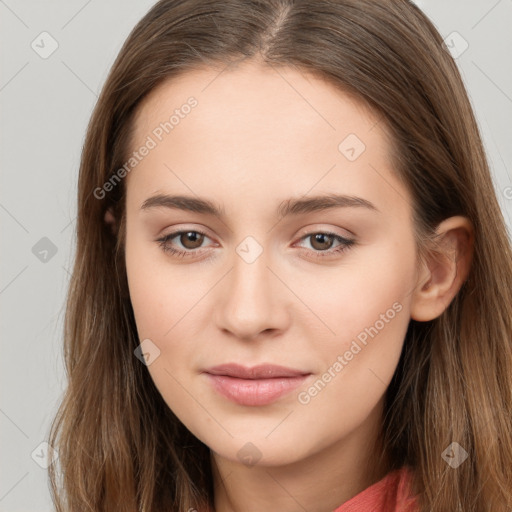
{"x": 276, "y": 326}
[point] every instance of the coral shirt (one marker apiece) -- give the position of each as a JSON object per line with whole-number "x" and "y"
{"x": 391, "y": 494}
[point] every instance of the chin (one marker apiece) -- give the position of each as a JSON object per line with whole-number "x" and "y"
{"x": 259, "y": 452}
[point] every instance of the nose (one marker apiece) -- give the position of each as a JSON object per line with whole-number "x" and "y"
{"x": 252, "y": 301}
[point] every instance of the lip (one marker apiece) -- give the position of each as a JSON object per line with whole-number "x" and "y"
{"x": 253, "y": 386}
{"x": 262, "y": 371}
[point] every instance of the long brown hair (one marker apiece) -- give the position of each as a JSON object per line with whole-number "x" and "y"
{"x": 120, "y": 446}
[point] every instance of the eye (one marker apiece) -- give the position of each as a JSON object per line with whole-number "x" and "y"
{"x": 189, "y": 239}
{"x": 192, "y": 240}
{"x": 322, "y": 243}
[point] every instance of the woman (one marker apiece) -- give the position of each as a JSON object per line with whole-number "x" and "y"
{"x": 292, "y": 287}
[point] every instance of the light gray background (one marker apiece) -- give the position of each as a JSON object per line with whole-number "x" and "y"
{"x": 46, "y": 104}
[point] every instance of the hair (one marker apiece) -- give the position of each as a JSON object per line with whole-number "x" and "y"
{"x": 120, "y": 446}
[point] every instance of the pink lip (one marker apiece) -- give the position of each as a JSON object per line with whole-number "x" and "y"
{"x": 259, "y": 385}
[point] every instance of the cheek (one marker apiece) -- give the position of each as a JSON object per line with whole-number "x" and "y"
{"x": 368, "y": 309}
{"x": 156, "y": 291}
{"x": 167, "y": 304}
{"x": 145, "y": 292}
{"x": 158, "y": 304}
{"x": 368, "y": 289}
{"x": 357, "y": 364}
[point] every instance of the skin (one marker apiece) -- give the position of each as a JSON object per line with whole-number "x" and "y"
{"x": 257, "y": 137}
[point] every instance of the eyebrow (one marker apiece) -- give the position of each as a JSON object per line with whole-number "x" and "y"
{"x": 291, "y": 206}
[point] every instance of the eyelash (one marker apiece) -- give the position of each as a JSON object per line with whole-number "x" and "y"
{"x": 346, "y": 243}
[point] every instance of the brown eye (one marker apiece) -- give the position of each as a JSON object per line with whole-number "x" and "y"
{"x": 182, "y": 243}
{"x": 321, "y": 244}
{"x": 191, "y": 239}
{"x": 321, "y": 241}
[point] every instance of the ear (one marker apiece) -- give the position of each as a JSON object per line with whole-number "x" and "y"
{"x": 110, "y": 220}
{"x": 442, "y": 276}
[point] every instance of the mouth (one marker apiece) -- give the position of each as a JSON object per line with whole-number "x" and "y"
{"x": 254, "y": 386}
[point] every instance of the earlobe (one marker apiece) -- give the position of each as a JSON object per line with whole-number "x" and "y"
{"x": 447, "y": 268}
{"x": 110, "y": 220}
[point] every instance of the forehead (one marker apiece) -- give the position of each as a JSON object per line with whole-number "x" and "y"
{"x": 259, "y": 95}
{"x": 256, "y": 124}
